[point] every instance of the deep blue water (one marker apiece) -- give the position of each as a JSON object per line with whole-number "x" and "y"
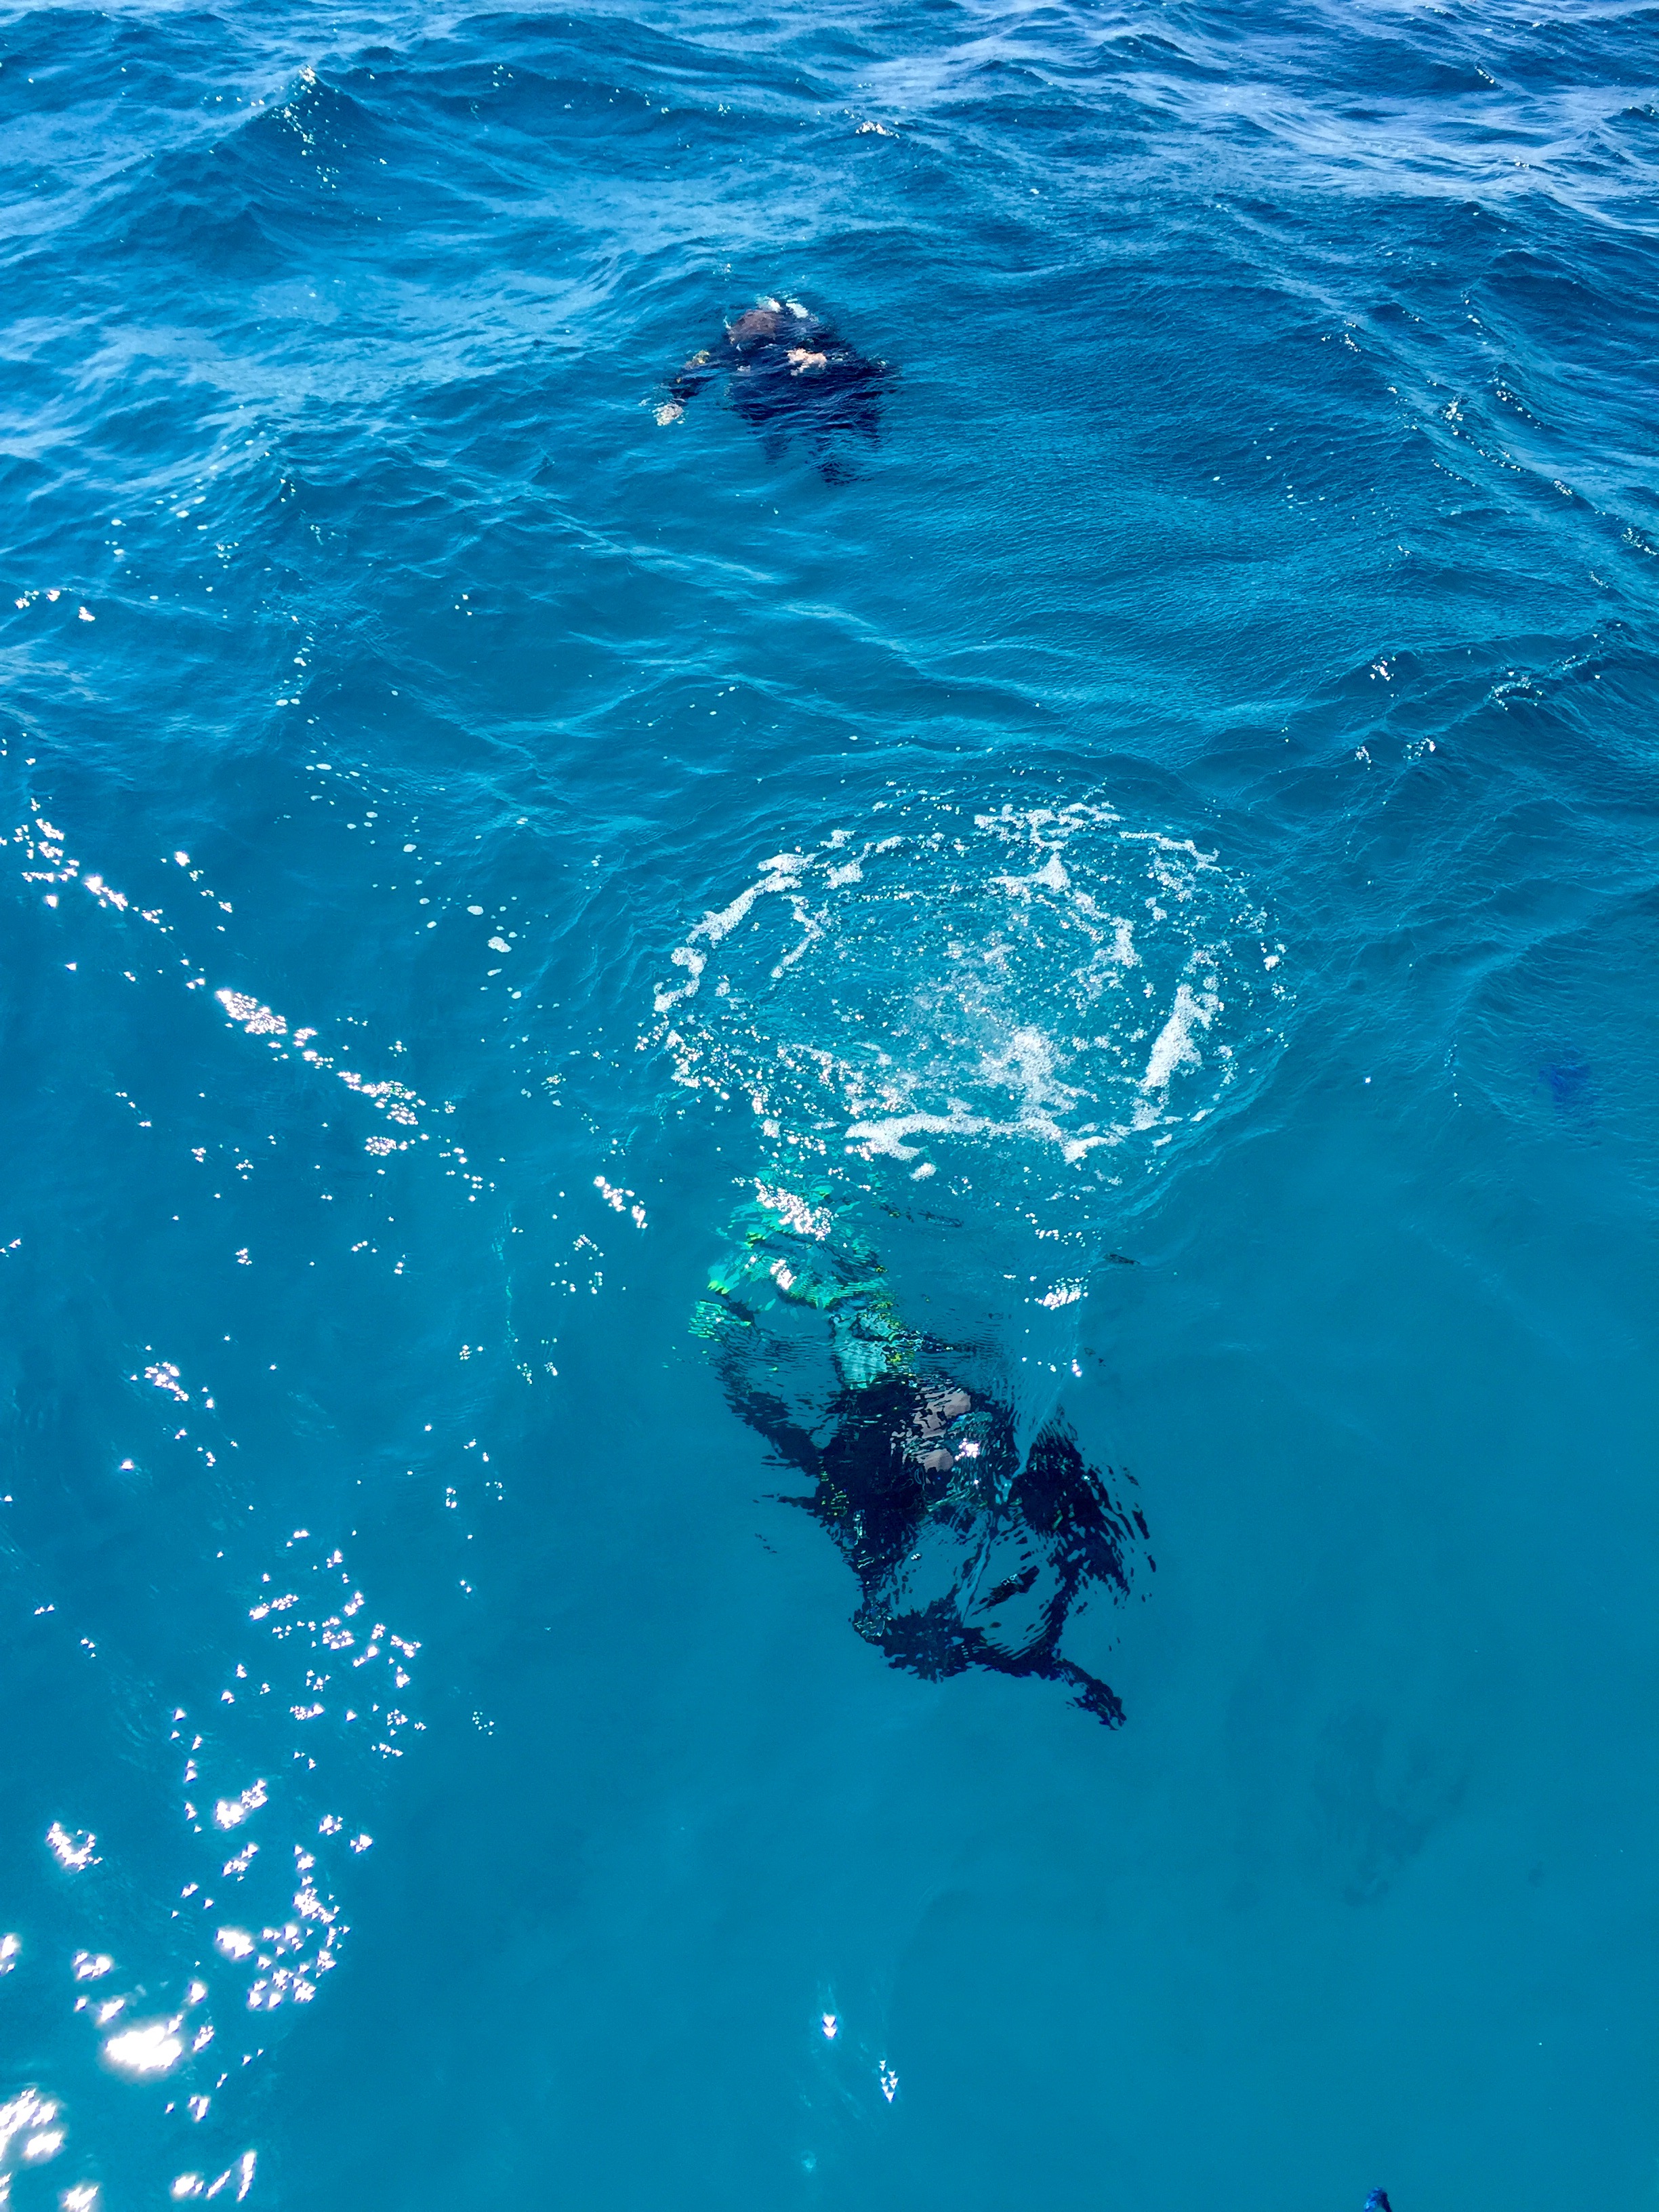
{"x": 1243, "y": 584}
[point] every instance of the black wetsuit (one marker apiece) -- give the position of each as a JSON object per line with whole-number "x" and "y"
{"x": 788, "y": 374}
{"x": 972, "y": 1560}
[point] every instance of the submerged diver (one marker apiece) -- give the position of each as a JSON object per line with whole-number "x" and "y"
{"x": 965, "y": 1557}
{"x": 787, "y": 371}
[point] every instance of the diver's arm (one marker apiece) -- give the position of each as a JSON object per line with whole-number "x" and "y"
{"x": 698, "y": 371}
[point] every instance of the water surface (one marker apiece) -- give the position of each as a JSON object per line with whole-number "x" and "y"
{"x": 442, "y": 1772}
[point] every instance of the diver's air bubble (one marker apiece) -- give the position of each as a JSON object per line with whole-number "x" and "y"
{"x": 941, "y": 988}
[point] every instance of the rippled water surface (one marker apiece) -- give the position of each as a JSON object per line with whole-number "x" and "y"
{"x": 1021, "y": 910}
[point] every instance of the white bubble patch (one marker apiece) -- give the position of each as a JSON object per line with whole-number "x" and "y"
{"x": 947, "y": 982}
{"x": 151, "y": 2048}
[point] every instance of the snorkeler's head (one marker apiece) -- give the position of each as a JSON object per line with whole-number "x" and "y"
{"x": 760, "y": 323}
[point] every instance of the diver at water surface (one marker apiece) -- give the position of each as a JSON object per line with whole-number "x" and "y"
{"x": 787, "y": 372}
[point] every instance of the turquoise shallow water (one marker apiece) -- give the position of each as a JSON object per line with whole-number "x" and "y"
{"x": 440, "y": 1769}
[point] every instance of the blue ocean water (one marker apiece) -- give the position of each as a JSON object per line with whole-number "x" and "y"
{"x": 546, "y": 924}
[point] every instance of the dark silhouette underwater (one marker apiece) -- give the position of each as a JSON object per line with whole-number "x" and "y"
{"x": 789, "y": 375}
{"x": 965, "y": 1554}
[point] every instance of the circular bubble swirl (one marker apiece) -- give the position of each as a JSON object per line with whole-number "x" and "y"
{"x": 1045, "y": 982}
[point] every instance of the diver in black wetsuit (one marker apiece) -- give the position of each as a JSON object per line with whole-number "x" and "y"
{"x": 965, "y": 1557}
{"x": 786, "y": 372}
{"x": 1012, "y": 1546}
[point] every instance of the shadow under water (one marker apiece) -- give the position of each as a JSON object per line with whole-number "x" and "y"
{"x": 965, "y": 1555}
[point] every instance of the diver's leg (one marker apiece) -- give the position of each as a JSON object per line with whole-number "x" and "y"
{"x": 1087, "y": 1690}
